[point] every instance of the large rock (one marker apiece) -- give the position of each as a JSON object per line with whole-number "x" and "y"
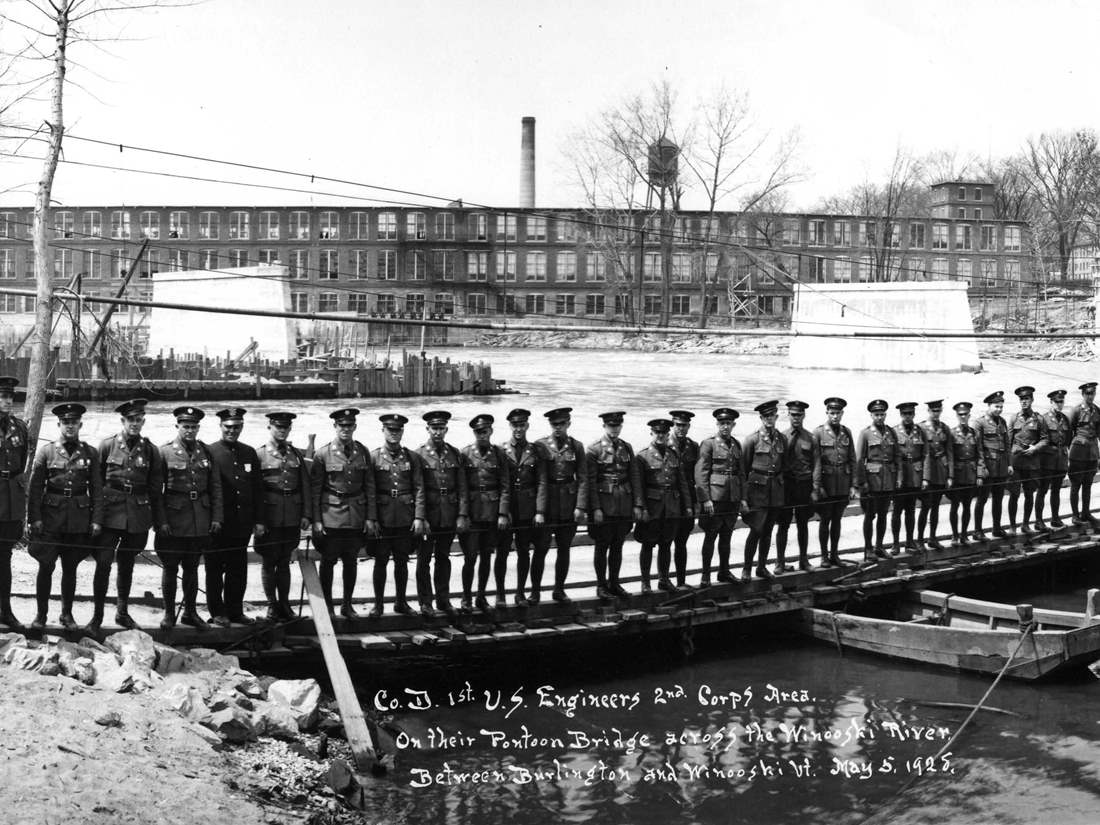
{"x": 300, "y": 695}
{"x": 129, "y": 675}
{"x": 76, "y": 662}
{"x": 170, "y": 660}
{"x": 244, "y": 682}
{"x": 275, "y": 720}
{"x": 136, "y": 644}
{"x": 203, "y": 658}
{"x": 186, "y": 700}
{"x": 42, "y": 659}
{"x": 16, "y": 639}
{"x": 232, "y": 725}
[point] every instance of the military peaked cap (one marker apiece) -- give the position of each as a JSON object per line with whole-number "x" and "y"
{"x": 660, "y": 425}
{"x": 344, "y": 416}
{"x": 934, "y": 405}
{"x": 726, "y": 414}
{"x": 878, "y": 405}
{"x": 1057, "y": 395}
{"x": 281, "y": 418}
{"x": 135, "y": 406}
{"x": 232, "y": 414}
{"x": 1025, "y": 392}
{"x": 393, "y": 421}
{"x": 907, "y": 406}
{"x": 800, "y": 406}
{"x": 1088, "y": 387}
{"x": 437, "y": 417}
{"x": 517, "y": 415}
{"x": 835, "y": 403}
{"x": 481, "y": 421}
{"x": 962, "y": 406}
{"x": 8, "y": 383}
{"x": 69, "y": 411}
{"x": 994, "y": 398}
{"x": 188, "y": 414}
{"x": 681, "y": 416}
{"x": 613, "y": 418}
{"x": 767, "y": 408}
{"x": 560, "y": 414}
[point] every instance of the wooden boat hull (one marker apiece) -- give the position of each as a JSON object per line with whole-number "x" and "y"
{"x": 977, "y": 650}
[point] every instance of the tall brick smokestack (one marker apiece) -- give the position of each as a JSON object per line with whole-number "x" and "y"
{"x": 527, "y": 165}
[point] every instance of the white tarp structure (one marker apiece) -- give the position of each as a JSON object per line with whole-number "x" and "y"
{"x": 251, "y": 287}
{"x": 907, "y": 306}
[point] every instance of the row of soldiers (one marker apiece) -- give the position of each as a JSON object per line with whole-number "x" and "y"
{"x": 212, "y": 501}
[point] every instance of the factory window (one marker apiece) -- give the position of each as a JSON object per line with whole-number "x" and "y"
{"x": 269, "y": 226}
{"x": 475, "y": 303}
{"x": 940, "y": 269}
{"x": 914, "y": 269}
{"x": 566, "y": 305}
{"x": 179, "y": 260}
{"x": 477, "y": 266}
{"x": 506, "y": 266}
{"x": 989, "y": 238}
{"x": 1012, "y": 239}
{"x": 989, "y": 272}
{"x": 361, "y": 259}
{"x": 7, "y": 263}
{"x": 567, "y": 229}
{"x": 977, "y": 194}
{"x": 960, "y": 213}
{"x": 506, "y": 227}
{"x": 28, "y": 260}
{"x": 536, "y": 266}
{"x": 478, "y": 227}
{"x": 444, "y": 226}
{"x": 416, "y": 265}
{"x": 208, "y": 259}
{"x": 92, "y": 226}
{"x": 595, "y": 267}
{"x": 238, "y": 258}
{"x": 916, "y": 236}
{"x": 179, "y": 225}
{"x": 964, "y": 237}
{"x": 895, "y": 236}
{"x": 507, "y": 305}
{"x": 842, "y": 271}
{"x": 120, "y": 225}
{"x": 977, "y": 214}
{"x": 536, "y": 304}
{"x": 386, "y": 267}
{"x": 208, "y": 226}
{"x": 792, "y": 231}
{"x": 299, "y": 264}
{"x": 299, "y": 302}
{"x": 328, "y": 302}
{"x": 414, "y": 303}
{"x": 624, "y": 304}
{"x": 681, "y": 305}
{"x": 329, "y": 226}
{"x": 961, "y": 193}
{"x": 865, "y": 269}
{"x": 651, "y": 267}
{"x": 566, "y": 267}
{"x": 357, "y": 302}
{"x": 267, "y": 257}
{"x": 710, "y": 267}
{"x": 444, "y": 303}
{"x": 444, "y": 264}
{"x": 150, "y": 225}
{"x": 594, "y": 304}
{"x": 842, "y": 233}
{"x": 965, "y": 270}
{"x": 63, "y": 225}
{"x": 298, "y": 226}
{"x": 817, "y": 269}
{"x": 7, "y": 223}
{"x": 150, "y": 264}
{"x": 939, "y": 236}
{"x": 387, "y": 304}
{"x": 359, "y": 226}
{"x": 329, "y": 265}
{"x": 681, "y": 268}
{"x": 651, "y": 304}
{"x": 868, "y": 233}
{"x": 387, "y": 226}
{"x": 536, "y": 228}
{"x": 238, "y": 226}
{"x": 817, "y": 233}
{"x": 416, "y": 226}
{"x": 1012, "y": 271}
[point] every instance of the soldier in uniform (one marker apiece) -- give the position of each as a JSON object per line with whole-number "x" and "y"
{"x": 133, "y": 483}
{"x": 912, "y": 457}
{"x": 876, "y": 476}
{"x": 1029, "y": 441}
{"x": 529, "y": 490}
{"x": 65, "y": 510}
{"x": 763, "y": 462}
{"x": 798, "y": 489}
{"x": 14, "y": 447}
{"x": 287, "y": 511}
{"x": 994, "y": 445}
{"x": 490, "y": 489}
{"x": 689, "y": 454}
{"x": 969, "y": 469}
{"x": 719, "y": 488}
{"x": 939, "y": 473}
{"x": 567, "y": 496}
{"x": 193, "y": 512}
{"x": 615, "y": 502}
{"x": 1053, "y": 461}
{"x": 834, "y": 478}
{"x": 660, "y": 476}
{"x": 447, "y": 510}
{"x": 345, "y": 508}
{"x": 1084, "y": 427}
{"x": 399, "y": 485}
{"x": 226, "y": 563}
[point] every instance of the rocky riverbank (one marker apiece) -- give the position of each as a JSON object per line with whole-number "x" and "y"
{"x": 138, "y": 732}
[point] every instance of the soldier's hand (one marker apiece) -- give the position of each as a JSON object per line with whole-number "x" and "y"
{"x": 643, "y": 514}
{"x": 597, "y": 516}
{"x": 371, "y": 528}
{"x": 36, "y": 528}
{"x": 304, "y": 525}
{"x": 260, "y": 531}
{"x": 420, "y": 527}
{"x": 689, "y": 512}
{"x": 215, "y": 527}
{"x": 165, "y": 529}
{"x": 708, "y": 508}
{"x": 319, "y": 528}
{"x": 1011, "y": 472}
{"x": 502, "y": 522}
{"x": 924, "y": 485}
{"x": 463, "y": 524}
{"x": 980, "y": 481}
{"x": 815, "y": 495}
{"x": 853, "y": 493}
{"x": 579, "y": 517}
{"x": 950, "y": 484}
{"x": 96, "y": 529}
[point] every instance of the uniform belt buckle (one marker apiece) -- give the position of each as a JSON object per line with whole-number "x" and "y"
{"x": 5, "y": 473}
{"x": 289, "y": 493}
{"x": 193, "y": 495}
{"x": 67, "y": 492}
{"x": 127, "y": 487}
{"x": 393, "y": 493}
{"x": 444, "y": 491}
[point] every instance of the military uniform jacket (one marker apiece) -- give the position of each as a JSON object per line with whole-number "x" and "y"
{"x": 238, "y": 468}
{"x": 192, "y": 489}
{"x": 14, "y": 446}
{"x": 834, "y": 460}
{"x": 489, "y": 481}
{"x": 912, "y": 455}
{"x": 993, "y": 444}
{"x": 288, "y": 497}
{"x": 689, "y": 455}
{"x": 446, "y": 491}
{"x": 527, "y": 469}
{"x": 877, "y": 459}
{"x": 1027, "y": 431}
{"x": 399, "y": 487}
{"x": 1084, "y": 427}
{"x": 764, "y": 461}
{"x": 133, "y": 484}
{"x": 800, "y": 454}
{"x": 661, "y": 477}
{"x": 614, "y": 479}
{"x": 1056, "y": 455}
{"x": 566, "y": 476}
{"x": 939, "y": 464}
{"x": 342, "y": 487}
{"x": 968, "y": 461}
{"x": 718, "y": 473}
{"x": 66, "y": 491}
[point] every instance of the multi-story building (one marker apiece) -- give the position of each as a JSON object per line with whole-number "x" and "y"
{"x": 564, "y": 264}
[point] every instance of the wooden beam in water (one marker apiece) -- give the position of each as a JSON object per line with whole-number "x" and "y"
{"x": 351, "y": 712}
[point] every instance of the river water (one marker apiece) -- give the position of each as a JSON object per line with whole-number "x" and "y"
{"x": 761, "y": 730}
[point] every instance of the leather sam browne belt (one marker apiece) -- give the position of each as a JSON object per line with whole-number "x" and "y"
{"x": 127, "y": 487}
{"x": 191, "y": 494}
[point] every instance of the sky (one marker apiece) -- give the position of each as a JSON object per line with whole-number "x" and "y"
{"x": 427, "y": 97}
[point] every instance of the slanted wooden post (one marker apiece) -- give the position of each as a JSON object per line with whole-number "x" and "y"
{"x": 1092, "y": 606}
{"x": 363, "y": 747}
{"x": 1026, "y": 613}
